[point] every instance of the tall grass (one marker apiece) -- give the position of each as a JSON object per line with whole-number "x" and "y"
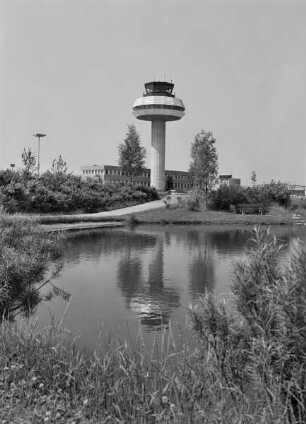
{"x": 45, "y": 378}
{"x": 260, "y": 347}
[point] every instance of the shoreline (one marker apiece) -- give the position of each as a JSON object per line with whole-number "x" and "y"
{"x": 164, "y": 217}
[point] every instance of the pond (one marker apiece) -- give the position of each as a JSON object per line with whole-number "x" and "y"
{"x": 144, "y": 279}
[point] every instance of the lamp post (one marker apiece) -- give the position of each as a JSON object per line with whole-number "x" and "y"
{"x": 39, "y": 136}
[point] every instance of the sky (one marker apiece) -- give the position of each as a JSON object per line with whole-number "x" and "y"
{"x": 73, "y": 68}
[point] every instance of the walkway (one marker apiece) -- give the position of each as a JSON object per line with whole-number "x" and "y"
{"x": 108, "y": 214}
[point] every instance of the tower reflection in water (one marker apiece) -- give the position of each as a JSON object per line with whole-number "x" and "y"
{"x": 149, "y": 275}
{"x": 144, "y": 286}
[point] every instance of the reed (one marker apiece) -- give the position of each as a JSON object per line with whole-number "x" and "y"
{"x": 45, "y": 378}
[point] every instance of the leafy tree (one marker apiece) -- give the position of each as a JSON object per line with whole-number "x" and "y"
{"x": 28, "y": 162}
{"x": 225, "y": 196}
{"x": 131, "y": 154}
{"x": 59, "y": 166}
{"x": 204, "y": 162}
{"x": 6, "y": 176}
{"x": 168, "y": 183}
{"x": 254, "y": 178}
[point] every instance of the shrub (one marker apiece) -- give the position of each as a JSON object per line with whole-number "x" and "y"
{"x": 225, "y": 196}
{"x": 264, "y": 347}
{"x": 167, "y": 201}
{"x": 27, "y": 263}
{"x": 266, "y": 194}
{"x": 63, "y": 192}
{"x": 151, "y": 192}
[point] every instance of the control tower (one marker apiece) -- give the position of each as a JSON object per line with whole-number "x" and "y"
{"x": 158, "y": 105}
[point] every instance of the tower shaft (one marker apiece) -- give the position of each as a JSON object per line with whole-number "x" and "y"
{"x": 158, "y": 105}
{"x": 158, "y": 138}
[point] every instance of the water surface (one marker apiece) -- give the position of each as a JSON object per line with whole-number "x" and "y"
{"x": 145, "y": 278}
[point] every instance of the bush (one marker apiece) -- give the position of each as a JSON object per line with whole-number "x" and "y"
{"x": 167, "y": 201}
{"x": 27, "y": 263}
{"x": 225, "y": 196}
{"x": 61, "y": 192}
{"x": 264, "y": 347}
{"x": 266, "y": 194}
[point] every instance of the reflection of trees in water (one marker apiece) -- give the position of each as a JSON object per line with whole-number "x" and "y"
{"x": 201, "y": 275}
{"x": 230, "y": 241}
{"x": 106, "y": 242}
{"x": 129, "y": 276}
{"x": 201, "y": 269}
{"x": 150, "y": 298}
{"x": 203, "y": 245}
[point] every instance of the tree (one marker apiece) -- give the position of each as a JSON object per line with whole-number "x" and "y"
{"x": 28, "y": 161}
{"x": 168, "y": 183}
{"x": 253, "y": 177}
{"x": 204, "y": 162}
{"x": 59, "y": 166}
{"x": 131, "y": 154}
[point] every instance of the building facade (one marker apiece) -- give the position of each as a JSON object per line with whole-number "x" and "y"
{"x": 114, "y": 175}
{"x": 228, "y": 180}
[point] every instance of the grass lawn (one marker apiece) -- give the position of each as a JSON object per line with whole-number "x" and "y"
{"x": 179, "y": 215}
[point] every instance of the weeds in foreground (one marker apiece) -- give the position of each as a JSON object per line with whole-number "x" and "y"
{"x": 259, "y": 350}
{"x": 44, "y": 378}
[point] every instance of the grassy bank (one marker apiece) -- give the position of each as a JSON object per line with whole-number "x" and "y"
{"x": 44, "y": 378}
{"x": 179, "y": 215}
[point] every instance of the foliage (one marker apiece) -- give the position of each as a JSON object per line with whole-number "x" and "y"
{"x": 168, "y": 183}
{"x": 248, "y": 365}
{"x": 28, "y": 258}
{"x": 59, "y": 166}
{"x": 167, "y": 201}
{"x": 263, "y": 348}
{"x": 56, "y": 191}
{"x": 253, "y": 177}
{"x": 44, "y": 378}
{"x": 266, "y": 194}
{"x": 28, "y": 162}
{"x": 204, "y": 162}
{"x": 225, "y": 196}
{"x": 131, "y": 154}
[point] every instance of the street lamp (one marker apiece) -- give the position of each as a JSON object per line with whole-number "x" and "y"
{"x": 39, "y": 136}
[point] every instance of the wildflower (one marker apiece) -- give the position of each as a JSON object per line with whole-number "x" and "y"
{"x": 85, "y": 402}
{"x": 34, "y": 379}
{"x": 41, "y": 386}
{"x": 165, "y": 399}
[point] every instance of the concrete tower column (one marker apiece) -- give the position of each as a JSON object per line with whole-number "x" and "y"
{"x": 158, "y": 105}
{"x": 158, "y": 137}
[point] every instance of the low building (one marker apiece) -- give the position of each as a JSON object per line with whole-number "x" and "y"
{"x": 113, "y": 175}
{"x": 297, "y": 190}
{"x": 228, "y": 180}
